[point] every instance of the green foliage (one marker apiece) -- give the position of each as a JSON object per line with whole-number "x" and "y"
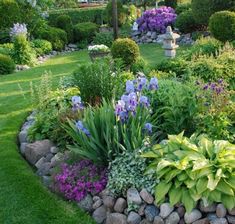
{"x": 125, "y": 49}
{"x": 126, "y": 171}
{"x": 185, "y": 22}
{"x": 182, "y": 8}
{"x": 22, "y": 51}
{"x": 171, "y": 3}
{"x": 7, "y": 65}
{"x": 132, "y": 14}
{"x": 6, "y": 48}
{"x": 64, "y": 22}
{"x": 10, "y": 13}
{"x": 222, "y": 25}
{"x": 85, "y": 31}
{"x": 41, "y": 47}
{"x": 65, "y": 3}
{"x": 78, "y": 15}
{"x": 140, "y": 65}
{"x": 5, "y": 36}
{"x": 95, "y": 81}
{"x": 105, "y": 38}
{"x": 192, "y": 169}
{"x": 56, "y": 36}
{"x": 175, "y": 109}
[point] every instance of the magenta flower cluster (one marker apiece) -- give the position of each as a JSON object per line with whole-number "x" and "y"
{"x": 76, "y": 181}
{"x": 157, "y": 19}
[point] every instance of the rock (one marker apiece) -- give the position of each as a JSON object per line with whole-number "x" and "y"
{"x": 158, "y": 220}
{"x": 120, "y": 205}
{"x": 181, "y": 211}
{"x": 202, "y": 221}
{"x": 97, "y": 204}
{"x": 231, "y": 211}
{"x": 165, "y": 210}
{"x": 47, "y": 180}
{"x": 206, "y": 209}
{"x": 146, "y": 196}
{"x": 36, "y": 150}
{"x": 173, "y": 218}
{"x": 149, "y": 34}
{"x": 133, "y": 196}
{"x": 154, "y": 35}
{"x": 141, "y": 210}
{"x": 54, "y": 150}
{"x": 221, "y": 211}
{"x": 133, "y": 218}
{"x": 49, "y": 157}
{"x": 96, "y": 198}
{"x": 105, "y": 193}
{"x": 23, "y": 147}
{"x": 40, "y": 162}
{"x": 116, "y": 218}
{"x": 181, "y": 221}
{"x": 150, "y": 212}
{"x": 219, "y": 221}
{"x": 100, "y": 214}
{"x": 231, "y": 219}
{"x": 193, "y": 216}
{"x": 145, "y": 221}
{"x": 23, "y": 136}
{"x": 86, "y": 203}
{"x": 109, "y": 202}
{"x": 44, "y": 169}
{"x": 72, "y": 46}
{"x": 211, "y": 216}
{"x": 57, "y": 159}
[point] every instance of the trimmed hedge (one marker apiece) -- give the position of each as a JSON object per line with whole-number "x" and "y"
{"x": 7, "y": 65}
{"x": 85, "y": 31}
{"x": 95, "y": 15}
{"x": 41, "y": 47}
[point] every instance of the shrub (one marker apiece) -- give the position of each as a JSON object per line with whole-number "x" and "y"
{"x": 185, "y": 22}
{"x": 10, "y": 13}
{"x": 5, "y": 36}
{"x": 85, "y": 31}
{"x": 125, "y": 49}
{"x": 126, "y": 171}
{"x": 105, "y": 38}
{"x": 222, "y": 25}
{"x": 41, "y": 47}
{"x": 157, "y": 19}
{"x": 140, "y": 65}
{"x": 182, "y": 8}
{"x": 56, "y": 36}
{"x": 22, "y": 51}
{"x": 7, "y": 65}
{"x": 64, "y": 22}
{"x": 172, "y": 3}
{"x": 192, "y": 169}
{"x": 6, "y": 48}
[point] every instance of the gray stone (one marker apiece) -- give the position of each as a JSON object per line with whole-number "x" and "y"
{"x": 158, "y": 220}
{"x": 146, "y": 196}
{"x": 49, "y": 157}
{"x": 120, "y": 205}
{"x": 211, "y": 216}
{"x": 192, "y": 216}
{"x": 57, "y": 159}
{"x": 116, "y": 218}
{"x": 173, "y": 218}
{"x": 72, "y": 46}
{"x": 181, "y": 211}
{"x": 154, "y": 35}
{"x": 231, "y": 211}
{"x": 208, "y": 208}
{"x": 40, "y": 162}
{"x": 181, "y": 221}
{"x": 141, "y": 210}
{"x": 231, "y": 219}
{"x": 44, "y": 169}
{"x": 221, "y": 211}
{"x": 47, "y": 180}
{"x": 149, "y": 34}
{"x": 165, "y": 210}
{"x": 23, "y": 136}
{"x": 86, "y": 203}
{"x": 36, "y": 150}
{"x": 219, "y": 221}
{"x": 145, "y": 221}
{"x": 54, "y": 149}
{"x": 100, "y": 214}
{"x": 96, "y": 198}
{"x": 133, "y": 196}
{"x": 105, "y": 193}
{"x": 133, "y": 218}
{"x": 97, "y": 204}
{"x": 23, "y": 147}
{"x": 109, "y": 202}
{"x": 150, "y": 212}
{"x": 202, "y": 221}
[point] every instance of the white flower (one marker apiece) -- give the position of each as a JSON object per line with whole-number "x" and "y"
{"x": 98, "y": 48}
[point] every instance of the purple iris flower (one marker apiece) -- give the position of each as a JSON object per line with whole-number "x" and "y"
{"x": 141, "y": 83}
{"x": 77, "y": 103}
{"x": 148, "y": 127}
{"x": 130, "y": 86}
{"x": 80, "y": 127}
{"x": 153, "y": 84}
{"x": 132, "y": 102}
{"x": 144, "y": 101}
{"x": 120, "y": 107}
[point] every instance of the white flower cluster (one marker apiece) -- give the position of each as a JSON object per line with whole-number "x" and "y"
{"x": 18, "y": 29}
{"x": 98, "y": 48}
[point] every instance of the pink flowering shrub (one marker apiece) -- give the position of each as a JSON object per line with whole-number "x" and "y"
{"x": 77, "y": 180}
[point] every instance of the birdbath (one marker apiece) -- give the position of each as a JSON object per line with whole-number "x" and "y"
{"x": 169, "y": 43}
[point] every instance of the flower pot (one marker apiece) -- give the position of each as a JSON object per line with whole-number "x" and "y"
{"x": 95, "y": 55}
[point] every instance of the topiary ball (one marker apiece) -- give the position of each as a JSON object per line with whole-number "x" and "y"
{"x": 125, "y": 49}
{"x": 222, "y": 25}
{"x": 7, "y": 65}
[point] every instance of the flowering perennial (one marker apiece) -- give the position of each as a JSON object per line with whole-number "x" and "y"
{"x": 76, "y": 181}
{"x": 157, "y": 19}
{"x": 99, "y": 48}
{"x": 18, "y": 29}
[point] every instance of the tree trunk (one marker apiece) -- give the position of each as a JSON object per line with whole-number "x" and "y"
{"x": 115, "y": 19}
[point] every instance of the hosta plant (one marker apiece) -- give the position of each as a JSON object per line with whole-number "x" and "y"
{"x": 190, "y": 169}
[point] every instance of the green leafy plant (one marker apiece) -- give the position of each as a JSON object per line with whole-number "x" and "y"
{"x": 105, "y": 38}
{"x": 182, "y": 8}
{"x": 41, "y": 47}
{"x": 7, "y": 65}
{"x": 190, "y": 169}
{"x": 6, "y": 49}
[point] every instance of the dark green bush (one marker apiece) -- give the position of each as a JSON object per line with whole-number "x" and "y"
{"x": 64, "y": 22}
{"x": 171, "y": 3}
{"x": 56, "y": 36}
{"x": 125, "y": 49}
{"x": 41, "y": 47}
{"x": 105, "y": 38}
{"x": 185, "y": 22}
{"x": 7, "y": 65}
{"x": 222, "y": 25}
{"x": 10, "y": 13}
{"x": 85, "y": 31}
{"x": 182, "y": 8}
{"x": 5, "y": 36}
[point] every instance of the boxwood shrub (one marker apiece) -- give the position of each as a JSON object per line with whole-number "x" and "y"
{"x": 7, "y": 65}
{"x": 85, "y": 31}
{"x": 41, "y": 47}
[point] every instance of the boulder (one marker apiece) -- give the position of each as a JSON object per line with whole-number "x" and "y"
{"x": 116, "y": 218}
{"x": 165, "y": 210}
{"x": 150, "y": 212}
{"x": 86, "y": 203}
{"x": 192, "y": 216}
{"x": 133, "y": 196}
{"x": 100, "y": 214}
{"x": 173, "y": 218}
{"x": 109, "y": 202}
{"x": 120, "y": 205}
{"x": 133, "y": 218}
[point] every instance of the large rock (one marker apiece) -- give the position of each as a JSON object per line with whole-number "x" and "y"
{"x": 97, "y": 204}
{"x": 57, "y": 159}
{"x": 36, "y": 150}
{"x": 192, "y": 216}
{"x": 44, "y": 169}
{"x": 133, "y": 218}
{"x": 221, "y": 211}
{"x": 120, "y": 205}
{"x": 146, "y": 196}
{"x": 173, "y": 218}
{"x": 150, "y": 212}
{"x": 23, "y": 147}
{"x": 165, "y": 210}
{"x": 116, "y": 218}
{"x": 208, "y": 208}
{"x": 86, "y": 203}
{"x": 109, "y": 202}
{"x": 133, "y": 196}
{"x": 23, "y": 136}
{"x": 100, "y": 214}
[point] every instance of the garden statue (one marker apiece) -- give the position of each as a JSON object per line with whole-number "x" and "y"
{"x": 135, "y": 26}
{"x": 169, "y": 42}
